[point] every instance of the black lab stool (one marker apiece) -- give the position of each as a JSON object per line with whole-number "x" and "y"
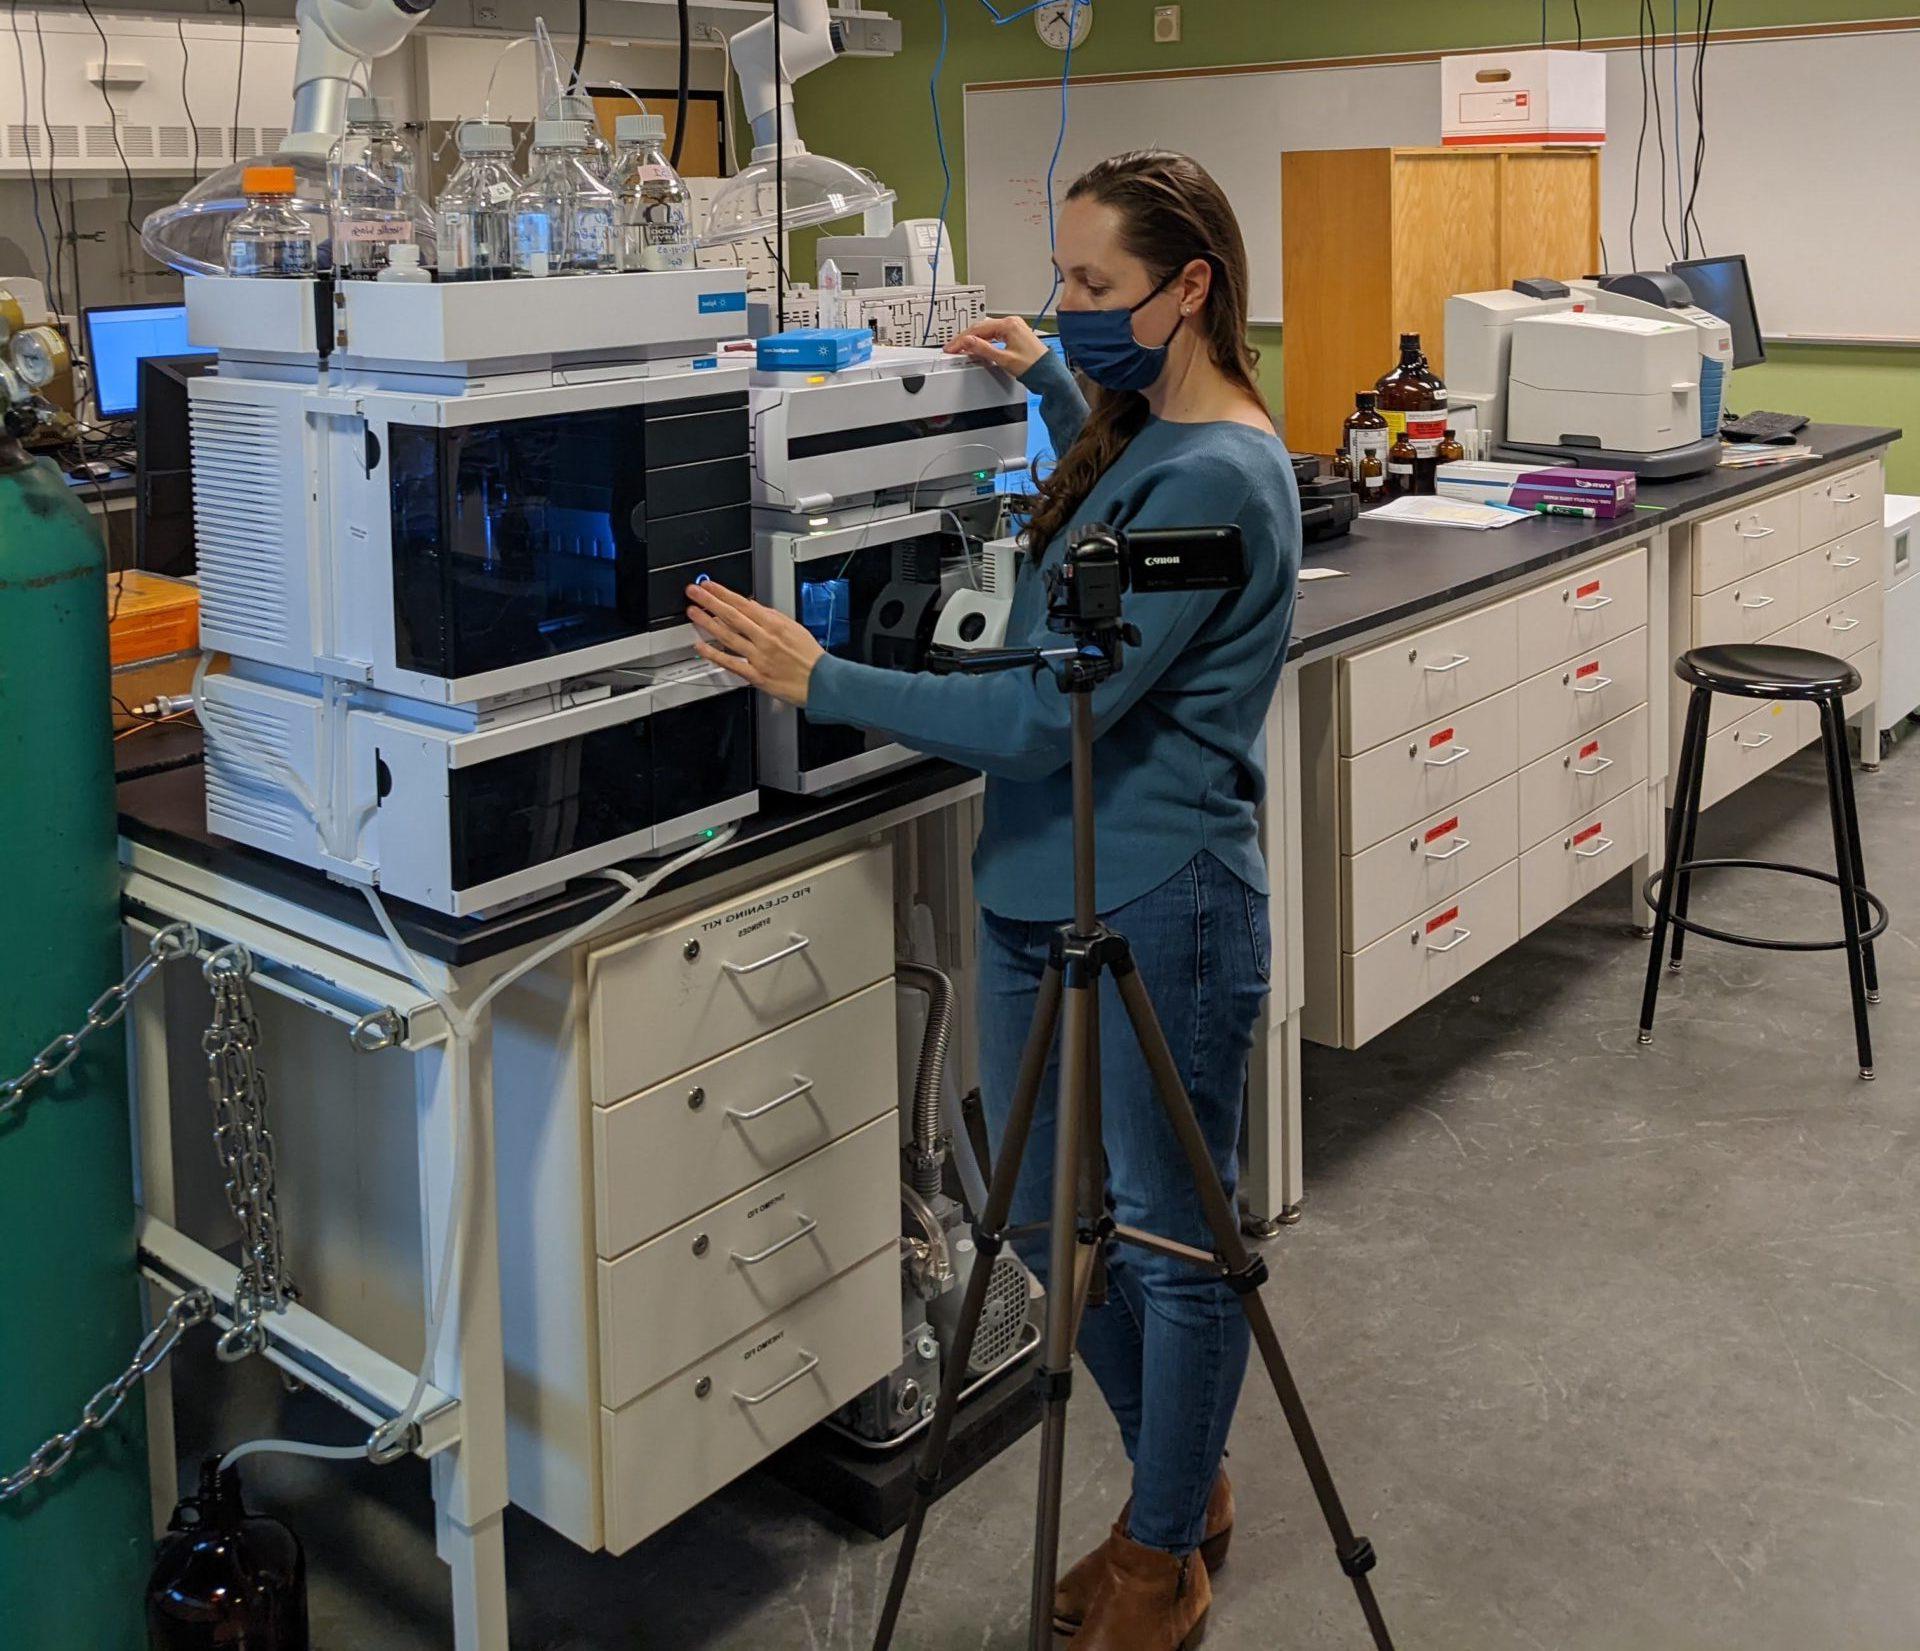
{"x": 1757, "y": 671}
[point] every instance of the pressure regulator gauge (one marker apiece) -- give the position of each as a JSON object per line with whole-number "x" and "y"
{"x": 39, "y": 356}
{"x": 1064, "y": 23}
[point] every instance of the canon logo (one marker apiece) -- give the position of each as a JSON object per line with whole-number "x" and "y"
{"x": 1163, "y": 561}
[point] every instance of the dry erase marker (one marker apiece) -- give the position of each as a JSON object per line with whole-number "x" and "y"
{"x": 1583, "y": 510}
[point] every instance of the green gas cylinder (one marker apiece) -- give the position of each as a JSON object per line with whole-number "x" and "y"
{"x": 74, "y": 1549}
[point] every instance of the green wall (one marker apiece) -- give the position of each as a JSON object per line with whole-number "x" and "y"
{"x": 875, "y": 112}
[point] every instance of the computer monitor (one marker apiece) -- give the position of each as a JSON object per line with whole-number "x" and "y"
{"x": 120, "y": 337}
{"x": 1723, "y": 287}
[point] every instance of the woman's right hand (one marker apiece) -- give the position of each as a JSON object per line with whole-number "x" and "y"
{"x": 1006, "y": 342}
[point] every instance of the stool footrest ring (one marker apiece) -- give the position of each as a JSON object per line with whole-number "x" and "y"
{"x": 1763, "y": 942}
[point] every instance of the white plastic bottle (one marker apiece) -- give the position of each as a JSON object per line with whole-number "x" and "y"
{"x": 371, "y": 171}
{"x": 475, "y": 216}
{"x": 563, "y": 216}
{"x": 655, "y": 208}
{"x": 403, "y": 264}
{"x": 271, "y": 236}
{"x": 833, "y": 309}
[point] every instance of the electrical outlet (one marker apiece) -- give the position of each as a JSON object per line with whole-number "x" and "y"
{"x": 1166, "y": 25}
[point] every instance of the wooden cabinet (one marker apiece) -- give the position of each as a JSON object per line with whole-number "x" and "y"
{"x": 1376, "y": 240}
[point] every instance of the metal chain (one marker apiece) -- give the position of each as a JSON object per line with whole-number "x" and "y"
{"x": 175, "y": 940}
{"x": 182, "y": 1314}
{"x": 245, "y": 1146}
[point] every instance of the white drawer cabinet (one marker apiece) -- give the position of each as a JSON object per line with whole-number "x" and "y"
{"x": 1432, "y": 673}
{"x": 1571, "y": 864}
{"x": 1752, "y": 607}
{"x": 1410, "y": 778}
{"x": 1581, "y": 695}
{"x": 677, "y": 996}
{"x": 684, "y": 1145}
{"x": 1390, "y": 979}
{"x": 1430, "y": 860}
{"x": 1581, "y": 775}
{"x": 1850, "y": 563}
{"x": 677, "y": 1296}
{"x": 1579, "y": 612}
{"x": 683, "y": 1439}
{"x": 1843, "y": 628}
{"x": 1837, "y": 505}
{"x": 1761, "y": 740}
{"x": 1739, "y": 542}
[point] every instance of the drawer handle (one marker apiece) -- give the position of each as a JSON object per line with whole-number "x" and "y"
{"x": 801, "y": 1086}
{"x": 1843, "y": 561}
{"x": 1459, "y": 751}
{"x": 1843, "y": 498}
{"x": 799, "y": 944}
{"x": 810, "y": 1362}
{"x": 1460, "y": 846}
{"x": 1600, "y": 846}
{"x": 1593, "y": 604}
{"x": 808, "y": 1226}
{"x": 1753, "y": 744}
{"x": 1594, "y": 686}
{"x": 1452, "y": 664}
{"x": 1759, "y": 602}
{"x": 1460, "y": 938}
{"x": 1845, "y": 624}
{"x": 1598, "y": 768}
{"x": 1758, "y": 533}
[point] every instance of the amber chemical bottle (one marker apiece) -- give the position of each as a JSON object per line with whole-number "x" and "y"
{"x": 1451, "y": 452}
{"x": 1414, "y": 400}
{"x": 1366, "y": 438}
{"x": 1402, "y": 467}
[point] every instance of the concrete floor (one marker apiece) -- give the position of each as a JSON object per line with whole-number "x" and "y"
{"x": 1608, "y": 1347}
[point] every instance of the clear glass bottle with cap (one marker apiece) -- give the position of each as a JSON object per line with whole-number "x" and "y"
{"x": 270, "y": 236}
{"x": 655, "y": 208}
{"x": 599, "y": 153}
{"x": 371, "y": 193}
{"x": 475, "y": 210}
{"x": 563, "y": 216}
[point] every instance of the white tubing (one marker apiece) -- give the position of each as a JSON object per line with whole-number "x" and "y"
{"x": 291, "y": 1447}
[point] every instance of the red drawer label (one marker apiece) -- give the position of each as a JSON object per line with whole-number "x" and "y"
{"x": 1589, "y": 749}
{"x": 1445, "y": 829}
{"x": 1588, "y": 835}
{"x": 1444, "y": 737}
{"x": 1587, "y": 590}
{"x": 1443, "y": 919}
{"x": 1591, "y": 668}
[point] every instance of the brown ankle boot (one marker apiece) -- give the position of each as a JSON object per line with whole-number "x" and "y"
{"x": 1074, "y": 1594}
{"x": 1150, "y": 1601}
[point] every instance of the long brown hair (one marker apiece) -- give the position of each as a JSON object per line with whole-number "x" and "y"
{"x": 1171, "y": 212}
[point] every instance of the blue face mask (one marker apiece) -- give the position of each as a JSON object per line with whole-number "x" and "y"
{"x": 1101, "y": 345}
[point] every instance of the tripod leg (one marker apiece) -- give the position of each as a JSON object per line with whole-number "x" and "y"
{"x": 1071, "y": 1250}
{"x": 993, "y": 1221}
{"x": 1245, "y": 1273}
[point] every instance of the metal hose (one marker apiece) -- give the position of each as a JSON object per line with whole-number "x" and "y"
{"x": 930, "y": 1076}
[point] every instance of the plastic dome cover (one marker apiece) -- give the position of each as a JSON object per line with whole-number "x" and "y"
{"x": 189, "y": 236}
{"x": 820, "y": 190}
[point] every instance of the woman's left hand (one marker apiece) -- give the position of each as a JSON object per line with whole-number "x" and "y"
{"x": 760, "y": 645}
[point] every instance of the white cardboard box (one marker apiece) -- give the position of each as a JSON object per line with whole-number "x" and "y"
{"x": 1524, "y": 97}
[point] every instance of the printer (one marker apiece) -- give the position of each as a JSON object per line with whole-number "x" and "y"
{"x": 1552, "y": 375}
{"x": 1664, "y": 296}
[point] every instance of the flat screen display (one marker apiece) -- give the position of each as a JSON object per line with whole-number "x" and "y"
{"x": 120, "y": 337}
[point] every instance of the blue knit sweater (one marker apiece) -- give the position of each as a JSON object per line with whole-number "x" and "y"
{"x": 1180, "y": 763}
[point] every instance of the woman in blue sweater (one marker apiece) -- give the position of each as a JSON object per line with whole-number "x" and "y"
{"x": 1153, "y": 315}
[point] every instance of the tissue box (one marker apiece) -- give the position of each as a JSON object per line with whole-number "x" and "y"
{"x": 1524, "y": 97}
{"x": 814, "y": 350}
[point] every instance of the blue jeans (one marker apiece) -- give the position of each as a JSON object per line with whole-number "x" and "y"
{"x": 1169, "y": 1347}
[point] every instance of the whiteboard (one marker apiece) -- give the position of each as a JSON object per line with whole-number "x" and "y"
{"x": 1815, "y": 143}
{"x": 1237, "y": 125}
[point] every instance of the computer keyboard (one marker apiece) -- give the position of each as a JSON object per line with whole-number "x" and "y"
{"x": 1764, "y": 427}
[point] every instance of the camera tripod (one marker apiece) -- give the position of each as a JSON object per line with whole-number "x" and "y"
{"x": 1086, "y": 607}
